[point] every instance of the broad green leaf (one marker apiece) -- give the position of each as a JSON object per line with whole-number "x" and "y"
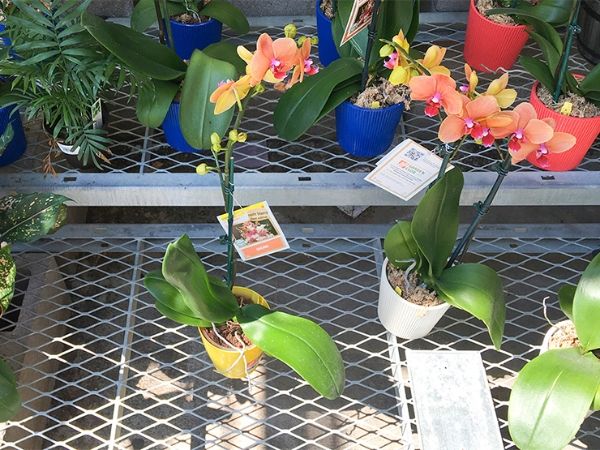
{"x": 10, "y": 400}
{"x": 339, "y": 95}
{"x": 170, "y": 302}
{"x": 207, "y": 299}
{"x": 435, "y": 222}
{"x": 140, "y": 53}
{"x": 550, "y": 399}
{"x": 592, "y": 81}
{"x": 548, "y": 32}
{"x": 555, "y": 12}
{"x": 396, "y": 16}
{"x": 196, "y": 115}
{"x": 566, "y": 293}
{"x": 551, "y": 55}
{"x": 476, "y": 289}
{"x": 586, "y": 306}
{"x": 154, "y": 99}
{"x": 6, "y": 137}
{"x": 300, "y": 107}
{"x": 226, "y": 52}
{"x": 143, "y": 15}
{"x": 399, "y": 245}
{"x": 8, "y": 275}
{"x": 345, "y": 51}
{"x": 227, "y": 14}
{"x": 300, "y": 343}
{"x": 596, "y": 403}
{"x": 27, "y": 217}
{"x": 539, "y": 71}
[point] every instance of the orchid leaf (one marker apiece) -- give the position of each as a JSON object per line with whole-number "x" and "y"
{"x": 435, "y": 222}
{"x": 170, "y": 302}
{"x": 596, "y": 403}
{"x": 226, "y": 52}
{"x": 539, "y": 71}
{"x": 144, "y": 13}
{"x": 8, "y": 276}
{"x": 154, "y": 99}
{"x": 207, "y": 299}
{"x": 139, "y": 52}
{"x": 400, "y": 246}
{"x": 476, "y": 289}
{"x": 586, "y": 307}
{"x": 340, "y": 94}
{"x": 555, "y": 12}
{"x": 300, "y": 343}
{"x": 197, "y": 116}
{"x": 550, "y": 399}
{"x": 551, "y": 55}
{"x": 300, "y": 107}
{"x": 228, "y": 14}
{"x": 547, "y": 32}
{"x": 591, "y": 83}
{"x": 565, "y": 298}
{"x": 10, "y": 400}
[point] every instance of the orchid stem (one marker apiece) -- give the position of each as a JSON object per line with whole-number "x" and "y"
{"x": 482, "y": 209}
{"x": 371, "y": 39}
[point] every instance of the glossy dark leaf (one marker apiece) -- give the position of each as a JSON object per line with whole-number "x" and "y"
{"x": 566, "y": 294}
{"x": 555, "y": 12}
{"x": 586, "y": 306}
{"x": 226, "y": 51}
{"x": 154, "y": 99}
{"x": 10, "y": 400}
{"x": 591, "y": 83}
{"x": 228, "y": 14}
{"x": 300, "y": 343}
{"x": 476, "y": 289}
{"x": 539, "y": 71}
{"x": 400, "y": 246}
{"x": 8, "y": 275}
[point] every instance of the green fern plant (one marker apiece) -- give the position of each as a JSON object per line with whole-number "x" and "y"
{"x": 58, "y": 72}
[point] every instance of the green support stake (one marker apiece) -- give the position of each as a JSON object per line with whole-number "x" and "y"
{"x": 230, "y": 255}
{"x": 371, "y": 39}
{"x": 562, "y": 68}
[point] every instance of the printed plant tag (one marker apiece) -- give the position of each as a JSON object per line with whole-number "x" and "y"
{"x": 360, "y": 18}
{"x": 97, "y": 119}
{"x": 256, "y": 232}
{"x": 406, "y": 170}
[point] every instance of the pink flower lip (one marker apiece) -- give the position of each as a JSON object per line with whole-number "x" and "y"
{"x": 469, "y": 123}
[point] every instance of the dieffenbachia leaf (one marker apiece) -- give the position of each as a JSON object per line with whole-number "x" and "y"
{"x": 154, "y": 100}
{"x": 27, "y": 217}
{"x": 300, "y": 343}
{"x": 205, "y": 296}
{"x": 476, "y": 289}
{"x": 8, "y": 275}
{"x": 551, "y": 397}
{"x": 170, "y": 302}
{"x": 10, "y": 400}
{"x": 435, "y": 222}
{"x": 586, "y": 306}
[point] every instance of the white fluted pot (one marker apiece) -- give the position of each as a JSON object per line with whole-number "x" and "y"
{"x": 403, "y": 318}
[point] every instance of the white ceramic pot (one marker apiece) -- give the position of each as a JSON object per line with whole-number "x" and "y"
{"x": 402, "y": 318}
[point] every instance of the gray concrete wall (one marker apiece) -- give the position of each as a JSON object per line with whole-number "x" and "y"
{"x": 254, "y": 8}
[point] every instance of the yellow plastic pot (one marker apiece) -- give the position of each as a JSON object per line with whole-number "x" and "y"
{"x": 224, "y": 358}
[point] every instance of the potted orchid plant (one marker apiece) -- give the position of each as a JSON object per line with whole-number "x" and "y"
{"x": 356, "y": 86}
{"x": 570, "y": 99}
{"x": 497, "y": 30}
{"x": 555, "y": 391}
{"x": 422, "y": 274}
{"x": 187, "y": 25}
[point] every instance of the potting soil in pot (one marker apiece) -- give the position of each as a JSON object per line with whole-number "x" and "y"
{"x": 565, "y": 336}
{"x": 189, "y": 19}
{"x": 580, "y": 106}
{"x": 485, "y": 5}
{"x": 382, "y": 94}
{"x": 411, "y": 289}
{"x": 327, "y": 8}
{"x": 231, "y": 331}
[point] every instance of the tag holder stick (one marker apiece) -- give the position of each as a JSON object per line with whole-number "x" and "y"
{"x": 370, "y": 40}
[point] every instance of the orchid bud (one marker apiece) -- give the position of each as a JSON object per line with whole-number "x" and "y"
{"x": 259, "y": 89}
{"x": 242, "y": 137}
{"x": 290, "y": 30}
{"x": 301, "y": 40}
{"x": 386, "y": 50}
{"x": 314, "y": 40}
{"x": 233, "y": 136}
{"x": 202, "y": 169}
{"x": 567, "y": 108}
{"x": 215, "y": 139}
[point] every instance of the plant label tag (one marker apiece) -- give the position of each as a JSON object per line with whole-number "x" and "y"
{"x": 97, "y": 119}
{"x": 361, "y": 16}
{"x": 256, "y": 232}
{"x": 406, "y": 170}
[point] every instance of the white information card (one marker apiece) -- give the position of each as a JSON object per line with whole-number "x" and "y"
{"x": 406, "y": 170}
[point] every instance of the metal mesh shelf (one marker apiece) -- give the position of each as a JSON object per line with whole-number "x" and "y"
{"x": 99, "y": 368}
{"x": 288, "y": 173}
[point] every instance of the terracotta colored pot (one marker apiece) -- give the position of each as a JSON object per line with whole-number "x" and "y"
{"x": 228, "y": 361}
{"x": 585, "y": 130}
{"x": 490, "y": 46}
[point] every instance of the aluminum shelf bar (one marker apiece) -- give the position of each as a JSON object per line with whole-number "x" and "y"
{"x": 99, "y": 368}
{"x": 314, "y": 171}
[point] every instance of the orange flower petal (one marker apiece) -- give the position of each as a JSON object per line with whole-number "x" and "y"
{"x": 561, "y": 142}
{"x": 444, "y": 81}
{"x": 452, "y": 101}
{"x": 526, "y": 113}
{"x": 482, "y": 107}
{"x": 537, "y": 131}
{"x": 220, "y": 91}
{"x": 502, "y": 131}
{"x": 225, "y": 101}
{"x": 550, "y": 121}
{"x": 451, "y": 129}
{"x": 286, "y": 51}
{"x": 523, "y": 152}
{"x": 422, "y": 87}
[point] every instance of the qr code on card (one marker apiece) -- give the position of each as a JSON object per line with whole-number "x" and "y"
{"x": 414, "y": 154}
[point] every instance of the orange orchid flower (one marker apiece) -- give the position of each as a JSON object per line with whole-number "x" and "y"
{"x": 473, "y": 81}
{"x": 477, "y": 119}
{"x": 304, "y": 64}
{"x": 230, "y": 92}
{"x": 560, "y": 142}
{"x": 438, "y": 91}
{"x": 526, "y": 128}
{"x": 271, "y": 60}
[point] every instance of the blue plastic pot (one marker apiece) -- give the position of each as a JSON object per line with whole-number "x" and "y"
{"x": 327, "y": 49}
{"x": 189, "y": 37}
{"x": 5, "y": 40}
{"x": 366, "y": 132}
{"x": 172, "y": 130}
{"x": 17, "y": 146}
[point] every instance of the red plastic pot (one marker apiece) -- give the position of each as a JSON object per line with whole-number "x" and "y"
{"x": 490, "y": 45}
{"x": 585, "y": 130}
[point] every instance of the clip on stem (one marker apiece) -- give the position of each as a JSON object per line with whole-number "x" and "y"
{"x": 371, "y": 38}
